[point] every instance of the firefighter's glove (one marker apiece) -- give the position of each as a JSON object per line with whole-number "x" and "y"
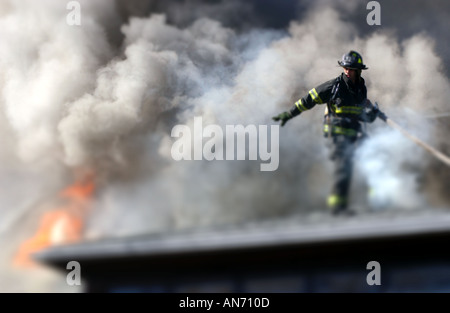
{"x": 381, "y": 115}
{"x": 378, "y": 113}
{"x": 283, "y": 117}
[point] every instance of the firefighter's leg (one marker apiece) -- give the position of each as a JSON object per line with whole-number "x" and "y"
{"x": 342, "y": 155}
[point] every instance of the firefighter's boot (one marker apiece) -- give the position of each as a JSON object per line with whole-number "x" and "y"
{"x": 338, "y": 205}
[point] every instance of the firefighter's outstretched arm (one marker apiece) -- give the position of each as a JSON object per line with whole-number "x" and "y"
{"x": 318, "y": 95}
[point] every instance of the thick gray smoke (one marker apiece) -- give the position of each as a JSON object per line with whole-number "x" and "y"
{"x": 105, "y": 96}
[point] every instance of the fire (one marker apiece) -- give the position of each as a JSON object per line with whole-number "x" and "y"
{"x": 61, "y": 225}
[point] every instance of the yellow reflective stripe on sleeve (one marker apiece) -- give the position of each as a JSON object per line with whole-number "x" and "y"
{"x": 337, "y": 130}
{"x": 301, "y": 106}
{"x": 315, "y": 96}
{"x": 348, "y": 110}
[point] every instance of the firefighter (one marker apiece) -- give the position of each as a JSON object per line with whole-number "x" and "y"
{"x": 347, "y": 107}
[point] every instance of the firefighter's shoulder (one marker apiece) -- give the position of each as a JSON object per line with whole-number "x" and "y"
{"x": 328, "y": 85}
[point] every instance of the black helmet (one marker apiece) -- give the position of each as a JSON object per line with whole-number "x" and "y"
{"x": 352, "y": 60}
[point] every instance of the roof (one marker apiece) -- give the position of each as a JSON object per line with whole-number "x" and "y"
{"x": 294, "y": 232}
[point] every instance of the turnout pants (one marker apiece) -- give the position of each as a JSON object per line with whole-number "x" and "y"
{"x": 341, "y": 153}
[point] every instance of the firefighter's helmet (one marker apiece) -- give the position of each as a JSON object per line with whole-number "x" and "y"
{"x": 352, "y": 60}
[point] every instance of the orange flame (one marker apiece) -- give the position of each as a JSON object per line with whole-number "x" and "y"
{"x": 62, "y": 225}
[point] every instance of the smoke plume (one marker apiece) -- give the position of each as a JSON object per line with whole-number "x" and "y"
{"x": 105, "y": 95}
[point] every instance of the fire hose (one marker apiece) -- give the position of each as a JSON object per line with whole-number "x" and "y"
{"x": 439, "y": 155}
